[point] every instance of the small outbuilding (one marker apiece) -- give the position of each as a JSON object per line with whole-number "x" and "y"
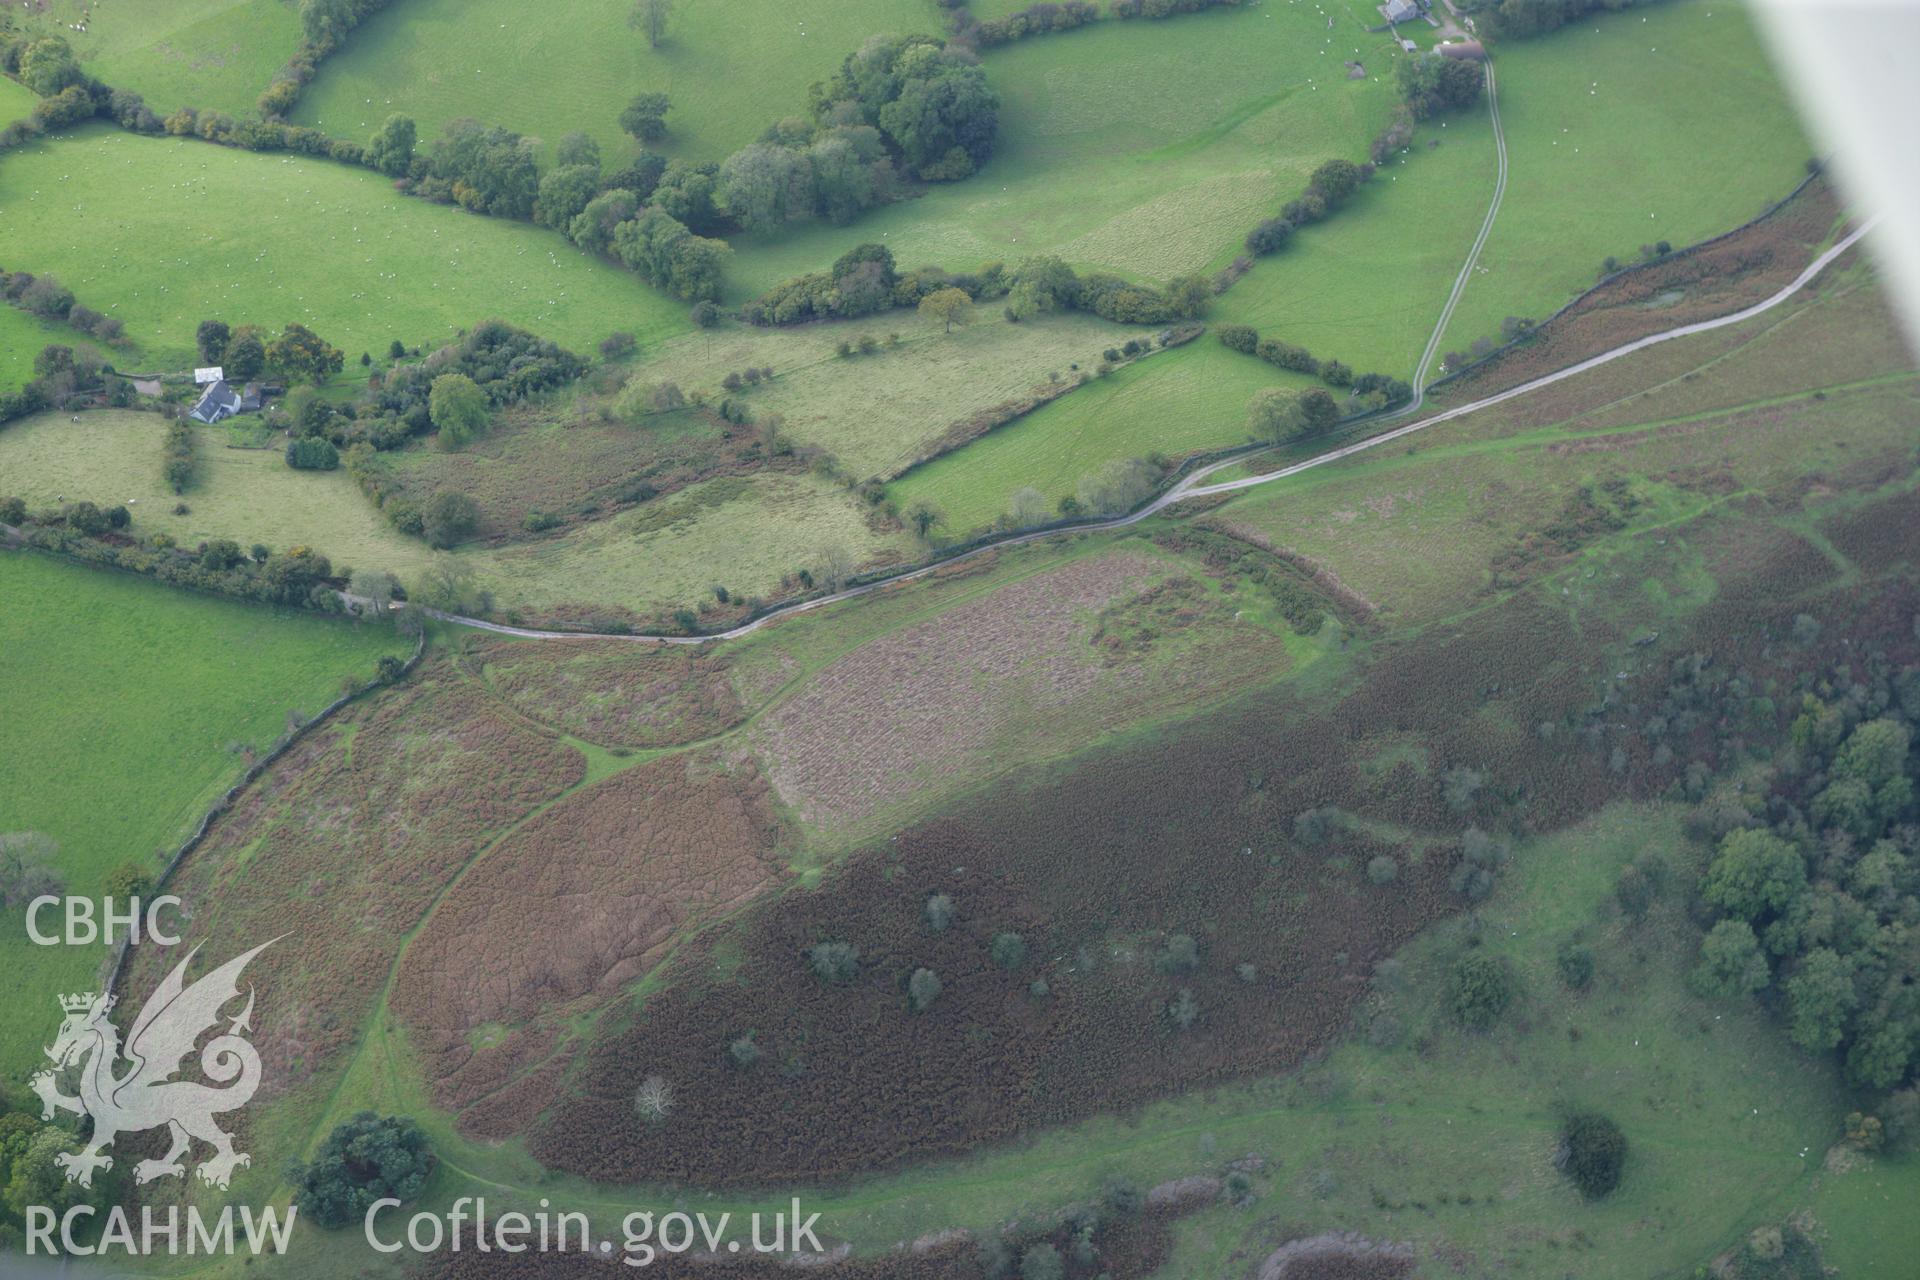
{"x": 1465, "y": 50}
{"x": 208, "y": 376}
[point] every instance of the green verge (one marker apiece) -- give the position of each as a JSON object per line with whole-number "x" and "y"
{"x": 267, "y": 239}
{"x": 124, "y": 701}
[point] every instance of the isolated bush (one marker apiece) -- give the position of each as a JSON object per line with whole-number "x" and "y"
{"x": 939, "y": 912}
{"x": 1009, "y": 950}
{"x": 1382, "y": 869}
{"x": 1180, "y": 955}
{"x": 448, "y": 517}
{"x": 923, "y": 988}
{"x": 1592, "y": 1153}
{"x": 743, "y": 1052}
{"x": 653, "y": 1100}
{"x": 1479, "y": 989}
{"x": 834, "y": 962}
{"x": 312, "y": 453}
{"x": 1574, "y": 961}
{"x": 1183, "y": 1009}
{"x": 1481, "y": 858}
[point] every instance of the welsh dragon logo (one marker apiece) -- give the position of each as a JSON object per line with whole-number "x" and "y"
{"x": 144, "y": 1095}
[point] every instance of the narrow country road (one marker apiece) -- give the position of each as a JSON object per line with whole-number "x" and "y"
{"x": 1191, "y": 486}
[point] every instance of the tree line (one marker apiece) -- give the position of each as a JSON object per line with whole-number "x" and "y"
{"x": 866, "y": 279}
{"x": 1378, "y": 390}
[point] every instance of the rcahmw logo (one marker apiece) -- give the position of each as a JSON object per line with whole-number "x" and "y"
{"x": 144, "y": 1095}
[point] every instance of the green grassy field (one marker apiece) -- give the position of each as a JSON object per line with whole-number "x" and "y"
{"x": 1182, "y": 401}
{"x": 268, "y": 239}
{"x": 1367, "y": 285}
{"x": 732, "y": 67}
{"x": 16, "y": 100}
{"x": 1623, "y": 131}
{"x": 211, "y": 54}
{"x": 22, "y": 335}
{"x": 123, "y": 701}
{"x": 1109, "y": 157}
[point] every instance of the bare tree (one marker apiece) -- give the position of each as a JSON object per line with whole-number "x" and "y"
{"x": 653, "y": 1100}
{"x": 836, "y": 566}
{"x": 375, "y": 587}
{"x": 651, "y": 16}
{"x": 1028, "y": 508}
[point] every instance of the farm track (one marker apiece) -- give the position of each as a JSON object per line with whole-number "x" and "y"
{"x": 1191, "y": 486}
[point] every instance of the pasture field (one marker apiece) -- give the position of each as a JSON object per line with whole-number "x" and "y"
{"x": 16, "y": 100}
{"x": 1187, "y": 400}
{"x": 112, "y": 456}
{"x": 877, "y": 413}
{"x": 211, "y": 54}
{"x": 1366, "y": 286}
{"x": 267, "y": 239}
{"x": 1108, "y": 156}
{"x": 23, "y": 334}
{"x": 732, "y": 67}
{"x": 135, "y": 705}
{"x": 744, "y": 532}
{"x": 1622, "y": 131}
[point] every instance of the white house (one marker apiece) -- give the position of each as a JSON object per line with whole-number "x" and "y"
{"x": 221, "y": 401}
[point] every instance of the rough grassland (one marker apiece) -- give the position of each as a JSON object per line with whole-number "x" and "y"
{"x": 249, "y": 495}
{"x": 211, "y": 54}
{"x": 1109, "y": 157}
{"x": 1622, "y": 131}
{"x": 745, "y": 532}
{"x": 1187, "y": 400}
{"x": 1423, "y": 529}
{"x": 732, "y": 67}
{"x": 122, "y": 700}
{"x": 268, "y": 239}
{"x": 877, "y": 413}
{"x": 1465, "y": 1126}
